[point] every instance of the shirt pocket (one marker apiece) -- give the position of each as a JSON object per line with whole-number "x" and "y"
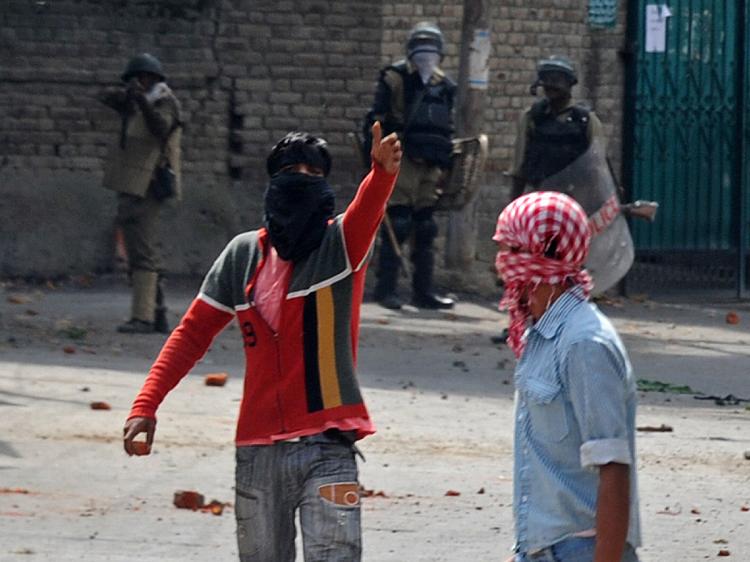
{"x": 546, "y": 406}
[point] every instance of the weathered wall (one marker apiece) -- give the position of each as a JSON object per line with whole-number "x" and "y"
{"x": 246, "y": 72}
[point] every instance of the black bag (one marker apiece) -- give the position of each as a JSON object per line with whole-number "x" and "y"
{"x": 163, "y": 183}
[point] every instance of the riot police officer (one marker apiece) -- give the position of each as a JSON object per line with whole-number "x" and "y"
{"x": 149, "y": 138}
{"x": 414, "y": 98}
{"x": 554, "y": 132}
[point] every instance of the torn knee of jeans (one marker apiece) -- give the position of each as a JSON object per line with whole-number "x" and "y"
{"x": 345, "y": 494}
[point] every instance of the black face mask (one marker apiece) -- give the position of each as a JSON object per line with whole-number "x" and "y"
{"x": 298, "y": 207}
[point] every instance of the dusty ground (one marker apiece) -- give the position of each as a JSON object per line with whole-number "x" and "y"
{"x": 439, "y": 391}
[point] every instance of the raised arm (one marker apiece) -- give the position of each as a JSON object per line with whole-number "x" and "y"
{"x": 363, "y": 216}
{"x": 115, "y": 99}
{"x": 161, "y": 117}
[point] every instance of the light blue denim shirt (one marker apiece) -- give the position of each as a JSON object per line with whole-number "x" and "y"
{"x": 575, "y": 411}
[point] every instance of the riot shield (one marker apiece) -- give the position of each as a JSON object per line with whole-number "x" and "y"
{"x": 461, "y": 184}
{"x": 589, "y": 181}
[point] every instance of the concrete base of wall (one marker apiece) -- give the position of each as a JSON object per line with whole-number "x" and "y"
{"x": 63, "y": 223}
{"x": 53, "y": 224}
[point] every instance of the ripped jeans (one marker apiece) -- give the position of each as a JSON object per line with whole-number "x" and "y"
{"x": 316, "y": 475}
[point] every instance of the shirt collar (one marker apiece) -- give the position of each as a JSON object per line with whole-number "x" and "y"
{"x": 557, "y": 314}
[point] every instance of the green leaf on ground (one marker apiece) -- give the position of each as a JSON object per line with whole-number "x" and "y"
{"x": 73, "y": 332}
{"x": 645, "y": 385}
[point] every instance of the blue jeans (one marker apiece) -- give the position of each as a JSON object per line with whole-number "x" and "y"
{"x": 317, "y": 476}
{"x": 574, "y": 549}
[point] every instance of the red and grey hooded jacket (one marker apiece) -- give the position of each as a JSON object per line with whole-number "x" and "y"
{"x": 303, "y": 376}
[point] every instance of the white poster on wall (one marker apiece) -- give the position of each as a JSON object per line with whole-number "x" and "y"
{"x": 656, "y": 27}
{"x": 479, "y": 60}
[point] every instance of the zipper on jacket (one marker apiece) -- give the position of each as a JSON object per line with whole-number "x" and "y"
{"x": 278, "y": 380}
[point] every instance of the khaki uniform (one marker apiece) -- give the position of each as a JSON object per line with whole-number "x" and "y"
{"x": 129, "y": 169}
{"x": 416, "y": 185}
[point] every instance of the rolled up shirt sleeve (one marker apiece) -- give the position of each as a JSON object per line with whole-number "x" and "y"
{"x": 597, "y": 379}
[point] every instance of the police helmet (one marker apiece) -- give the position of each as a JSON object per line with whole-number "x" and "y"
{"x": 558, "y": 63}
{"x": 425, "y": 37}
{"x": 299, "y": 148}
{"x": 143, "y": 63}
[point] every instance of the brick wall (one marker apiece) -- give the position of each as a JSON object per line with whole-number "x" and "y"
{"x": 522, "y": 32}
{"x": 246, "y": 73}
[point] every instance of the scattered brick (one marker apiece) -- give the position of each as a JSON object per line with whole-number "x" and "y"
{"x": 733, "y": 318}
{"x": 366, "y": 493}
{"x": 216, "y": 379}
{"x": 188, "y": 499}
{"x": 100, "y": 406}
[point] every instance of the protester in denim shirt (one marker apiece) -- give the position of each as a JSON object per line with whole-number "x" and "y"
{"x": 575, "y": 490}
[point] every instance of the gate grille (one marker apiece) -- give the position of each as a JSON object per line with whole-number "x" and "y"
{"x": 683, "y": 148}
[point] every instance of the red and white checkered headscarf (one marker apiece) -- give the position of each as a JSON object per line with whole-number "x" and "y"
{"x": 531, "y": 226}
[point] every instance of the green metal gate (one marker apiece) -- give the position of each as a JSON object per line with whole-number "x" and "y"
{"x": 685, "y": 139}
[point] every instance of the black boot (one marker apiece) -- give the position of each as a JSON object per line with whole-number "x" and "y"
{"x": 423, "y": 258}
{"x": 391, "y": 302}
{"x": 135, "y": 326}
{"x": 389, "y": 263}
{"x": 161, "y": 324}
{"x": 432, "y": 301}
{"x": 387, "y": 275}
{"x": 501, "y": 338}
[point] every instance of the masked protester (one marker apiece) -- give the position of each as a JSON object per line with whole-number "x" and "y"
{"x": 554, "y": 131}
{"x": 414, "y": 99}
{"x": 295, "y": 287}
{"x": 148, "y": 142}
{"x": 574, "y": 480}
